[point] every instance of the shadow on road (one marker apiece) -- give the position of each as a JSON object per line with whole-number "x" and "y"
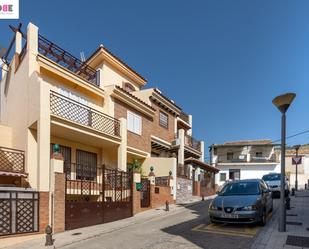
{"x": 207, "y": 239}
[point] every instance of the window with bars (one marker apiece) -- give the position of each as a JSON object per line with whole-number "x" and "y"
{"x": 86, "y": 165}
{"x": 163, "y": 119}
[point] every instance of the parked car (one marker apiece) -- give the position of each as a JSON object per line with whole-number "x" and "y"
{"x": 273, "y": 180}
{"x": 242, "y": 201}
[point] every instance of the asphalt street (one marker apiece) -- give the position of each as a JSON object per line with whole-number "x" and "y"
{"x": 188, "y": 228}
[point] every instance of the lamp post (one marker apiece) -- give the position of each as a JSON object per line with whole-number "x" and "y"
{"x": 296, "y": 147}
{"x": 283, "y": 103}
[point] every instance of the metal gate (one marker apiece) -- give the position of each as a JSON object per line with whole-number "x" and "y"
{"x": 19, "y": 212}
{"x": 145, "y": 193}
{"x": 95, "y": 196}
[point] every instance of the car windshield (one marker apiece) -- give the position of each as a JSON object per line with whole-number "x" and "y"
{"x": 272, "y": 177}
{"x": 241, "y": 188}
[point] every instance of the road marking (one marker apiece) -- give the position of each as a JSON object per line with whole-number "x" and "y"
{"x": 226, "y": 229}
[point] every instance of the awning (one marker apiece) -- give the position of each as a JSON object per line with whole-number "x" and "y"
{"x": 6, "y": 173}
{"x": 201, "y": 164}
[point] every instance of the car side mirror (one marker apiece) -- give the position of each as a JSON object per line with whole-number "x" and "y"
{"x": 265, "y": 191}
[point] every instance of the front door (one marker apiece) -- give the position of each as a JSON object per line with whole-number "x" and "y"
{"x": 145, "y": 193}
{"x": 234, "y": 174}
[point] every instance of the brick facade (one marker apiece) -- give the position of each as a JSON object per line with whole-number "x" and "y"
{"x": 44, "y": 211}
{"x": 167, "y": 134}
{"x": 59, "y": 203}
{"x": 159, "y": 195}
{"x": 143, "y": 141}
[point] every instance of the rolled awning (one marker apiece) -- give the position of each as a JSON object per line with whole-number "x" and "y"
{"x": 16, "y": 174}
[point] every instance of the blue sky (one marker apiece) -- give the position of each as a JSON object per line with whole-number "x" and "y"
{"x": 223, "y": 61}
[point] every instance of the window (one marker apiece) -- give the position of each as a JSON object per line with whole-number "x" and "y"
{"x": 86, "y": 165}
{"x": 163, "y": 119}
{"x": 222, "y": 177}
{"x": 128, "y": 87}
{"x": 134, "y": 123}
{"x": 229, "y": 155}
{"x": 258, "y": 154}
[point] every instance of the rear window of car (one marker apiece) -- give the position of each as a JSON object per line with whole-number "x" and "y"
{"x": 272, "y": 177}
{"x": 241, "y": 188}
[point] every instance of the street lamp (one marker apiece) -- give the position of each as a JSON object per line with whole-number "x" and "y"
{"x": 296, "y": 147}
{"x": 283, "y": 103}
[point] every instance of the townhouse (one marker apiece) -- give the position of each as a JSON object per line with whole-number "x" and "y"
{"x": 244, "y": 159}
{"x": 70, "y": 128}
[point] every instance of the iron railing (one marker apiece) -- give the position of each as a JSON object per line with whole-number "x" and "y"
{"x": 162, "y": 181}
{"x": 12, "y": 160}
{"x": 67, "y": 60}
{"x": 184, "y": 117}
{"x": 84, "y": 115}
{"x": 110, "y": 185}
{"x": 192, "y": 142}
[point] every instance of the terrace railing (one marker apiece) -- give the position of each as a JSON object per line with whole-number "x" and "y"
{"x": 192, "y": 142}
{"x": 67, "y": 60}
{"x": 184, "y": 117}
{"x": 72, "y": 110}
{"x": 12, "y": 160}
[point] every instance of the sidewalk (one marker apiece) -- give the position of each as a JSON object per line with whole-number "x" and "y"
{"x": 73, "y": 236}
{"x": 270, "y": 238}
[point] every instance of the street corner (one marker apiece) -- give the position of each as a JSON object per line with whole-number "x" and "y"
{"x": 228, "y": 229}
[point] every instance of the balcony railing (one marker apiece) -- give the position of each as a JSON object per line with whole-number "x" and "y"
{"x": 67, "y": 60}
{"x": 244, "y": 159}
{"x": 192, "y": 143}
{"x": 84, "y": 115}
{"x": 184, "y": 117}
{"x": 12, "y": 160}
{"x": 162, "y": 181}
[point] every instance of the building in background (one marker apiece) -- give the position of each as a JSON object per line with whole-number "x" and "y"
{"x": 244, "y": 159}
{"x": 303, "y": 167}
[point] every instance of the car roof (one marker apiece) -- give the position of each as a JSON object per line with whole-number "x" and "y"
{"x": 247, "y": 180}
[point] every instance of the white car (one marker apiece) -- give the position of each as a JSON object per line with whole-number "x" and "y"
{"x": 273, "y": 180}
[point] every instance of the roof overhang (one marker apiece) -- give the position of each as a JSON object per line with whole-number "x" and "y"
{"x": 160, "y": 144}
{"x": 132, "y": 101}
{"x": 201, "y": 164}
{"x": 103, "y": 54}
{"x": 165, "y": 103}
{"x": 50, "y": 68}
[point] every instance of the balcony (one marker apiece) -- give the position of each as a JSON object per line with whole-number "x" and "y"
{"x": 192, "y": 143}
{"x": 67, "y": 60}
{"x": 74, "y": 111}
{"x": 12, "y": 161}
{"x": 185, "y": 117}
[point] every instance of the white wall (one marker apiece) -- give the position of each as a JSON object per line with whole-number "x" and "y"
{"x": 248, "y": 171}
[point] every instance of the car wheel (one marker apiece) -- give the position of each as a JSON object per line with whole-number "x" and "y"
{"x": 263, "y": 218}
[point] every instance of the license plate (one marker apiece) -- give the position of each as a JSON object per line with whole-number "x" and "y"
{"x": 230, "y": 216}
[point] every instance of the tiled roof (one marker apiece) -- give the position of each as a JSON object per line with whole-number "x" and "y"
{"x": 134, "y": 97}
{"x": 166, "y": 98}
{"x": 201, "y": 164}
{"x": 249, "y": 142}
{"x": 116, "y": 57}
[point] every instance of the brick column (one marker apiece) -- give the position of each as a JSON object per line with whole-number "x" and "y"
{"x": 136, "y": 195}
{"x": 43, "y": 211}
{"x": 57, "y": 193}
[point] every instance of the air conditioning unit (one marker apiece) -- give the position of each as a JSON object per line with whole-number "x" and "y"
{"x": 175, "y": 142}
